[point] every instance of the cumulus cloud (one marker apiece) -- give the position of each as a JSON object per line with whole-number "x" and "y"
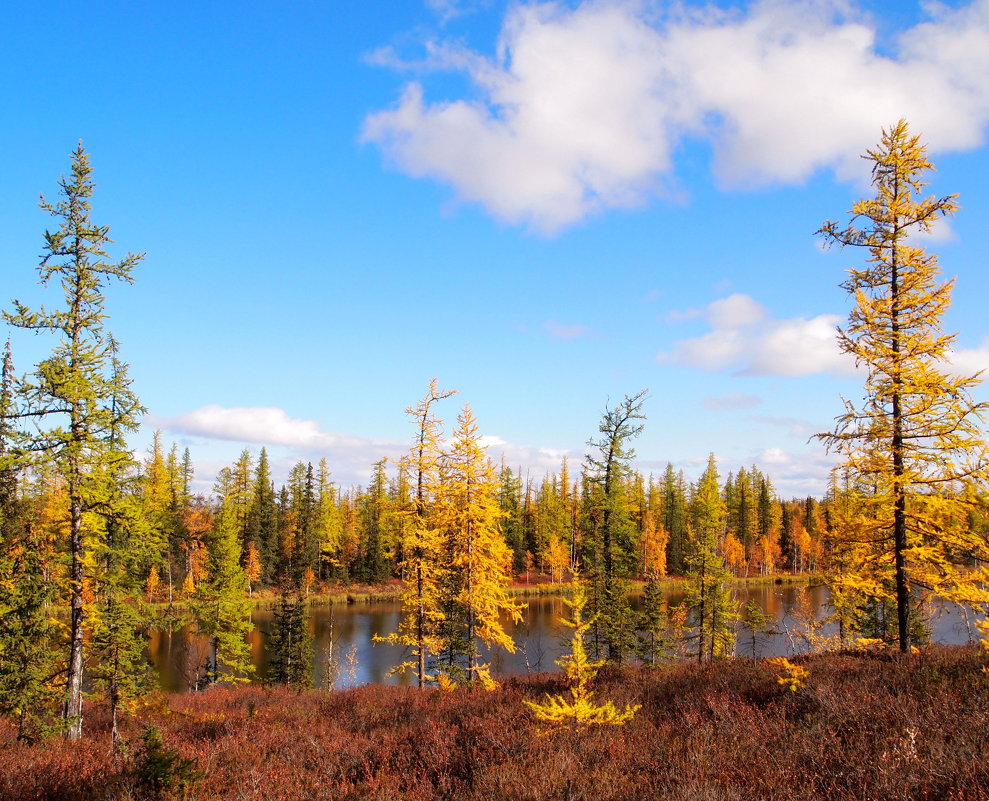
{"x": 582, "y": 109}
{"x": 796, "y": 474}
{"x": 733, "y": 400}
{"x": 745, "y": 338}
{"x": 262, "y": 425}
{"x": 528, "y": 458}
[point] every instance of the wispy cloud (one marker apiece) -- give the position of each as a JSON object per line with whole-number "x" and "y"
{"x": 583, "y": 108}
{"x": 794, "y": 426}
{"x": 733, "y": 400}
{"x": 558, "y": 331}
{"x": 679, "y": 316}
{"x": 745, "y": 339}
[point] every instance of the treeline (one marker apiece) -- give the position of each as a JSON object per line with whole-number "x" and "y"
{"x": 312, "y": 531}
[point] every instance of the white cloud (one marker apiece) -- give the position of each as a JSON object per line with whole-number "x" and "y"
{"x": 349, "y": 457}
{"x": 745, "y": 338}
{"x": 733, "y": 400}
{"x": 535, "y": 460}
{"x": 582, "y": 108}
{"x": 263, "y": 425}
{"x": 796, "y": 474}
{"x": 969, "y": 361}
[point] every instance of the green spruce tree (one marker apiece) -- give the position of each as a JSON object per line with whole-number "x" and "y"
{"x": 69, "y": 392}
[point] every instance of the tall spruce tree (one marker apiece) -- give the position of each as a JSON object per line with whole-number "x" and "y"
{"x": 612, "y": 544}
{"x": 220, "y": 606}
{"x": 116, "y": 620}
{"x": 915, "y": 444}
{"x": 70, "y": 391}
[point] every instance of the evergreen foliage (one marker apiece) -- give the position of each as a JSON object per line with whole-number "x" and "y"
{"x": 709, "y": 595}
{"x": 610, "y": 553}
{"x": 80, "y": 392}
{"x": 291, "y": 646}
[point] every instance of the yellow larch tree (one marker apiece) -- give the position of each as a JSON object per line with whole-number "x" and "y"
{"x": 422, "y": 541}
{"x": 914, "y": 448}
{"x": 577, "y": 710}
{"x": 479, "y": 561}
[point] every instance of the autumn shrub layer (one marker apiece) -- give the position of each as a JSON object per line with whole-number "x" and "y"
{"x": 865, "y": 726}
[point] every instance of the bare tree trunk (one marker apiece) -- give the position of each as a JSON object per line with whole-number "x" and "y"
{"x": 72, "y": 711}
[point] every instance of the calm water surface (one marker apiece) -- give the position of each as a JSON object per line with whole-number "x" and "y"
{"x": 345, "y": 654}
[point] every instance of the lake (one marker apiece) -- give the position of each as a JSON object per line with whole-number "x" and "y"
{"x": 346, "y": 656}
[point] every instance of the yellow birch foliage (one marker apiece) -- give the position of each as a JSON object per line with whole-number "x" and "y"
{"x": 577, "y": 709}
{"x": 734, "y": 552}
{"x": 914, "y": 449}
{"x": 557, "y": 558}
{"x": 153, "y": 584}
{"x": 654, "y": 541}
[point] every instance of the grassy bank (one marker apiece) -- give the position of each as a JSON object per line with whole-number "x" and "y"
{"x": 266, "y": 598}
{"x": 865, "y": 726}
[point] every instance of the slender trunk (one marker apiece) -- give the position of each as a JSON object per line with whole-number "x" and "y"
{"x": 72, "y": 711}
{"x": 700, "y": 627}
{"x": 421, "y": 623}
{"x": 899, "y": 491}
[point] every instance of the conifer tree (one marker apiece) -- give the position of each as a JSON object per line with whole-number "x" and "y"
{"x": 674, "y": 519}
{"x": 121, "y": 550}
{"x": 291, "y": 642}
{"x": 578, "y": 710}
{"x": 262, "y": 528}
{"x": 709, "y": 595}
{"x": 374, "y": 512}
{"x": 512, "y": 524}
{"x": 422, "y": 541}
{"x": 915, "y": 442}
{"x": 329, "y": 525}
{"x": 220, "y": 606}
{"x": 613, "y": 536}
{"x": 70, "y": 389}
{"x": 478, "y": 560}
{"x": 653, "y": 636}
{"x": 28, "y": 663}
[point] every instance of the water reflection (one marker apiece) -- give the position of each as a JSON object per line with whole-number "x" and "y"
{"x": 346, "y": 656}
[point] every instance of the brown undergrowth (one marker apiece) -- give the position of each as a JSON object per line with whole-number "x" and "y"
{"x": 864, "y": 726}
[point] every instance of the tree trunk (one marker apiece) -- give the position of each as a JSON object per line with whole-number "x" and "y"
{"x": 72, "y": 711}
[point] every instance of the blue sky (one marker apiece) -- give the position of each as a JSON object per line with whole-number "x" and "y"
{"x": 544, "y": 205}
